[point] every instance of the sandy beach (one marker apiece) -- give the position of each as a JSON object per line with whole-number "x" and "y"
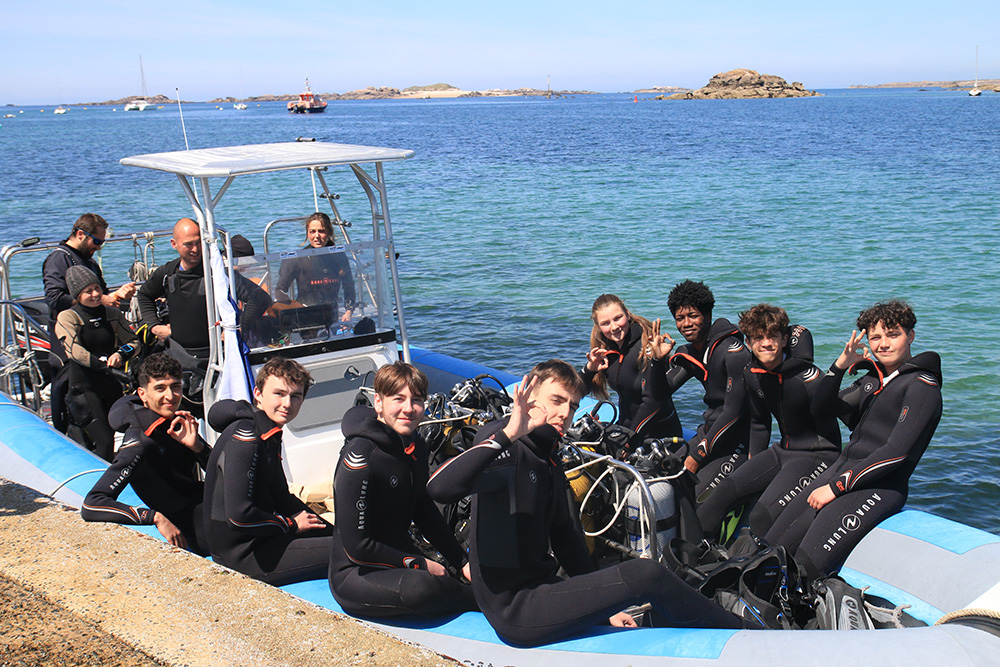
{"x": 73, "y": 593}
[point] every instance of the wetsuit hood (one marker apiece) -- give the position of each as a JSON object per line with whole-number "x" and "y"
{"x": 720, "y": 329}
{"x": 800, "y": 343}
{"x": 225, "y": 412}
{"x": 927, "y": 362}
{"x": 543, "y": 440}
{"x": 129, "y": 411}
{"x": 362, "y": 421}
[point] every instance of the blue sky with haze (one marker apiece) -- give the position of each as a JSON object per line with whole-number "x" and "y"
{"x": 210, "y": 48}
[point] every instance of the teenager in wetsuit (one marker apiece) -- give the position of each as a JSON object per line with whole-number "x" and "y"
{"x": 379, "y": 489}
{"x": 716, "y": 356}
{"x": 780, "y": 381}
{"x": 97, "y": 338}
{"x": 621, "y": 356}
{"x": 520, "y": 511}
{"x": 892, "y": 412}
{"x": 159, "y": 457}
{"x": 318, "y": 278}
{"x": 255, "y": 525}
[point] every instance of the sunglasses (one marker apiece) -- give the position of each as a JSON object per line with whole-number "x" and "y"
{"x": 98, "y": 242}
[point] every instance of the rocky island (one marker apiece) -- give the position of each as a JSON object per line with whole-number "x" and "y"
{"x": 740, "y": 84}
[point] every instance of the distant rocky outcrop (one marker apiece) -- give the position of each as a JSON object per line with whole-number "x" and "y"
{"x": 662, "y": 90}
{"x": 152, "y": 100}
{"x": 960, "y": 84}
{"x": 741, "y": 84}
{"x": 434, "y": 87}
{"x": 370, "y": 93}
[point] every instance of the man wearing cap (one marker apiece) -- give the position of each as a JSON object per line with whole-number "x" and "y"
{"x": 88, "y": 234}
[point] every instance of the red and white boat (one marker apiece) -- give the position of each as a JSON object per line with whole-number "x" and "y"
{"x": 308, "y": 102}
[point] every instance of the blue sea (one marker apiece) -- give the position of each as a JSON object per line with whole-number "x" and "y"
{"x": 515, "y": 213}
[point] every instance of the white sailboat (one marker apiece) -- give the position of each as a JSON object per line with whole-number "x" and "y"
{"x": 60, "y": 109}
{"x": 141, "y": 103}
{"x": 975, "y": 92}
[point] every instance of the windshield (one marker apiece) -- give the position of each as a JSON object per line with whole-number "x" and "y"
{"x": 333, "y": 293}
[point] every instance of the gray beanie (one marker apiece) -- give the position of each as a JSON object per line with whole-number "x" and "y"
{"x": 79, "y": 278}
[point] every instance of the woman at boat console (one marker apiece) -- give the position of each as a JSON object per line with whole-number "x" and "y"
{"x": 318, "y": 277}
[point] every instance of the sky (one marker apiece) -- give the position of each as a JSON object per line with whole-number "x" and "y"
{"x": 65, "y": 51}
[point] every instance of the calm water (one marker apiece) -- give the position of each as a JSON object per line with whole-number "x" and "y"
{"x": 516, "y": 213}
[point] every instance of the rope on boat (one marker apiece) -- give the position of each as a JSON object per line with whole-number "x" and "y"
{"x": 968, "y": 614}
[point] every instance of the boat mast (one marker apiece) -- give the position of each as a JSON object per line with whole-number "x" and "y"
{"x": 142, "y": 74}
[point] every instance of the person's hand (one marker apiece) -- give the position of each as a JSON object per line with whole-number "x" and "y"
{"x": 125, "y": 292}
{"x": 435, "y": 568}
{"x": 161, "y": 331}
{"x": 170, "y": 532}
{"x": 661, "y": 344}
{"x": 184, "y": 429}
{"x": 854, "y": 351}
{"x": 526, "y": 415}
{"x": 114, "y": 361}
{"x": 597, "y": 360}
{"x": 691, "y": 464}
{"x": 821, "y": 497}
{"x": 346, "y": 317}
{"x": 467, "y": 571}
{"x": 622, "y": 620}
{"x": 306, "y": 520}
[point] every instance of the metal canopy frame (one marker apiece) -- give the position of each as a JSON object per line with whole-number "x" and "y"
{"x": 232, "y": 161}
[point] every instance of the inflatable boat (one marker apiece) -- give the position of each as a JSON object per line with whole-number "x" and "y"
{"x": 944, "y": 574}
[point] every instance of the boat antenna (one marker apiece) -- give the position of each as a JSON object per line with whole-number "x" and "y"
{"x": 181, "y": 110}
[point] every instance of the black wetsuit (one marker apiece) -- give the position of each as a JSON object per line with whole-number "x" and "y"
{"x": 58, "y": 299}
{"x": 379, "y": 488}
{"x": 520, "y": 510}
{"x": 644, "y": 402}
{"x": 248, "y": 508}
{"x": 892, "y": 420}
{"x": 162, "y": 471}
{"x": 721, "y": 443}
{"x": 184, "y": 291}
{"x": 807, "y": 447}
{"x": 88, "y": 335}
{"x": 318, "y": 278}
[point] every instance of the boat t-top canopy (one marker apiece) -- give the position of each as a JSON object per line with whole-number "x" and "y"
{"x": 229, "y": 161}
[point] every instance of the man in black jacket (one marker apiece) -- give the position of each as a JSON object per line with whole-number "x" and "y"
{"x": 88, "y": 234}
{"x": 520, "y": 510}
{"x": 182, "y": 283}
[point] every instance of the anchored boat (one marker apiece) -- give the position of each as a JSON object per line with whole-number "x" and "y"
{"x": 947, "y": 574}
{"x": 308, "y": 102}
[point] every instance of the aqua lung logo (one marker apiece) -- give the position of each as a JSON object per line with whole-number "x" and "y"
{"x": 362, "y": 505}
{"x": 727, "y": 468}
{"x": 852, "y": 522}
{"x": 849, "y": 615}
{"x": 869, "y": 386}
{"x": 532, "y": 476}
{"x": 394, "y": 481}
{"x": 902, "y": 415}
{"x": 729, "y": 385}
{"x": 803, "y": 484}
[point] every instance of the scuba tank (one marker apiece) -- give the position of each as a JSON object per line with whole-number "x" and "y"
{"x": 665, "y": 512}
